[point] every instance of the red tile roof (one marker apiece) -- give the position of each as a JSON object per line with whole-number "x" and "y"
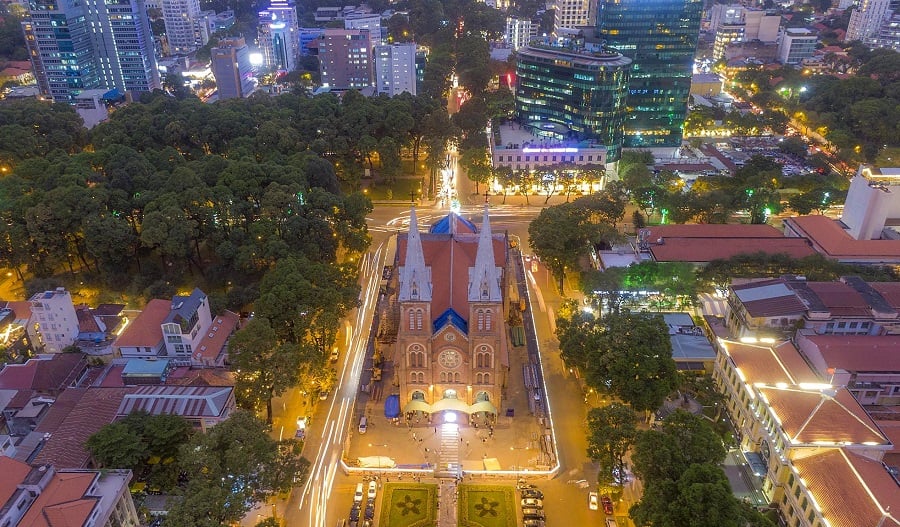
{"x": 63, "y": 503}
{"x": 817, "y": 416}
{"x": 21, "y": 308}
{"x": 832, "y": 241}
{"x": 840, "y": 299}
{"x": 13, "y": 473}
{"x": 769, "y": 298}
{"x": 760, "y": 363}
{"x": 714, "y": 248}
{"x": 43, "y": 375}
{"x": 712, "y": 230}
{"x": 851, "y": 490}
{"x": 95, "y": 408}
{"x": 890, "y": 291}
{"x": 145, "y": 330}
{"x": 450, "y": 259}
{"x": 858, "y": 353}
{"x": 212, "y": 344}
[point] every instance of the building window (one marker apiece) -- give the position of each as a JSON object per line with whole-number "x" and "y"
{"x": 487, "y": 320}
{"x": 479, "y": 315}
{"x": 456, "y": 376}
{"x": 443, "y": 376}
{"x": 418, "y": 319}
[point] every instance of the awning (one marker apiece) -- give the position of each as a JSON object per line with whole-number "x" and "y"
{"x": 450, "y": 404}
{"x": 417, "y": 405}
{"x": 392, "y": 406}
{"x": 483, "y": 406}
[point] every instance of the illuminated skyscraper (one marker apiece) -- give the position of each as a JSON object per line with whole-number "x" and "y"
{"x": 92, "y": 44}
{"x": 563, "y": 82}
{"x": 660, "y": 37}
{"x": 279, "y": 35}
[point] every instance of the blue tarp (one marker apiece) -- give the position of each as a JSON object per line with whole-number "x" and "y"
{"x": 392, "y": 406}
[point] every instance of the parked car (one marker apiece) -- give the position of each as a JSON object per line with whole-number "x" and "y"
{"x": 593, "y": 501}
{"x": 533, "y": 514}
{"x": 532, "y": 493}
{"x": 533, "y": 523}
{"x": 358, "y": 495}
{"x": 532, "y": 503}
{"x": 611, "y": 522}
{"x": 607, "y": 504}
{"x": 373, "y": 487}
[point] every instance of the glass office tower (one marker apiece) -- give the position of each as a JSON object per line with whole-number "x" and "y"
{"x": 660, "y": 37}
{"x": 579, "y": 88}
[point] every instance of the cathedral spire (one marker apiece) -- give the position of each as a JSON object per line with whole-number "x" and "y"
{"x": 484, "y": 278}
{"x": 415, "y": 277}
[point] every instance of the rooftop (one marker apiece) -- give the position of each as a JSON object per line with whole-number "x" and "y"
{"x": 856, "y": 353}
{"x": 212, "y": 345}
{"x": 712, "y": 230}
{"x": 95, "y": 408}
{"x": 186, "y": 401}
{"x": 703, "y": 250}
{"x": 822, "y": 416}
{"x": 145, "y": 330}
{"x": 831, "y": 240}
{"x": 45, "y": 373}
{"x": 514, "y": 135}
{"x": 65, "y": 501}
{"x": 13, "y": 473}
{"x": 769, "y": 365}
{"x": 850, "y": 490}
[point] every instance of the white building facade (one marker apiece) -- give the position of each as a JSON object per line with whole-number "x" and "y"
{"x": 53, "y": 319}
{"x": 186, "y": 27}
{"x": 395, "y": 68}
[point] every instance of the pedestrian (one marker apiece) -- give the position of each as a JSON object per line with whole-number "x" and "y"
{"x": 426, "y": 450}
{"x": 467, "y": 444}
{"x": 460, "y": 440}
{"x": 435, "y": 430}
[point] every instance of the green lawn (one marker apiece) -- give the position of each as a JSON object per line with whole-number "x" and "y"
{"x": 408, "y": 505}
{"x": 487, "y": 506}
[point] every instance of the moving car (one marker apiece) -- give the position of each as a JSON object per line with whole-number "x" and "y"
{"x": 593, "y": 501}
{"x": 301, "y": 427}
{"x": 607, "y": 504}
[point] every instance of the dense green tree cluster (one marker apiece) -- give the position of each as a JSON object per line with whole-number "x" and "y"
{"x": 230, "y": 468}
{"x": 147, "y": 444}
{"x": 562, "y": 234}
{"x": 12, "y": 39}
{"x": 612, "y": 430}
{"x": 225, "y": 190}
{"x": 684, "y": 486}
{"x": 628, "y": 355}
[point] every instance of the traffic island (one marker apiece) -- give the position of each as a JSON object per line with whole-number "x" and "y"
{"x": 408, "y": 505}
{"x": 487, "y": 506}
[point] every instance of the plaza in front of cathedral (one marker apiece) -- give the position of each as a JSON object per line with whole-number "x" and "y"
{"x": 459, "y": 391}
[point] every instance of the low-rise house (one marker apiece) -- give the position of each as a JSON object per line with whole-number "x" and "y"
{"x": 850, "y": 306}
{"x": 203, "y": 407}
{"x": 44, "y": 496}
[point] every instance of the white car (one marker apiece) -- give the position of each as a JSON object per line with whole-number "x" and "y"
{"x": 593, "y": 501}
{"x": 372, "y": 490}
{"x": 532, "y": 503}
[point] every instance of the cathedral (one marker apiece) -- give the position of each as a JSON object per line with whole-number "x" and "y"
{"x": 451, "y": 355}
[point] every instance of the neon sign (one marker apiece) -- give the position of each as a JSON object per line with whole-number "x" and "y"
{"x": 552, "y": 150}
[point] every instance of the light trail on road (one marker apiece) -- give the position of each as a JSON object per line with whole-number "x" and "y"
{"x": 314, "y": 496}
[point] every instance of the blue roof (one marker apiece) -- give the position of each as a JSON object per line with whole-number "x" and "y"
{"x": 451, "y": 317}
{"x": 444, "y": 225}
{"x": 112, "y": 95}
{"x": 146, "y": 367}
{"x": 392, "y": 406}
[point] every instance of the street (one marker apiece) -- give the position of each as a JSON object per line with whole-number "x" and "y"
{"x": 326, "y": 497}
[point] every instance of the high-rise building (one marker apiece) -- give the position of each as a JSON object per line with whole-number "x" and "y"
{"x": 279, "y": 35}
{"x": 889, "y": 34}
{"x": 231, "y": 67}
{"x": 796, "y": 44}
{"x": 660, "y": 37}
{"x": 370, "y": 22}
{"x": 395, "y": 68}
{"x": 186, "y": 27}
{"x": 867, "y": 19}
{"x": 76, "y": 46}
{"x": 571, "y": 14}
{"x": 519, "y": 31}
{"x": 581, "y": 88}
{"x": 345, "y": 59}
